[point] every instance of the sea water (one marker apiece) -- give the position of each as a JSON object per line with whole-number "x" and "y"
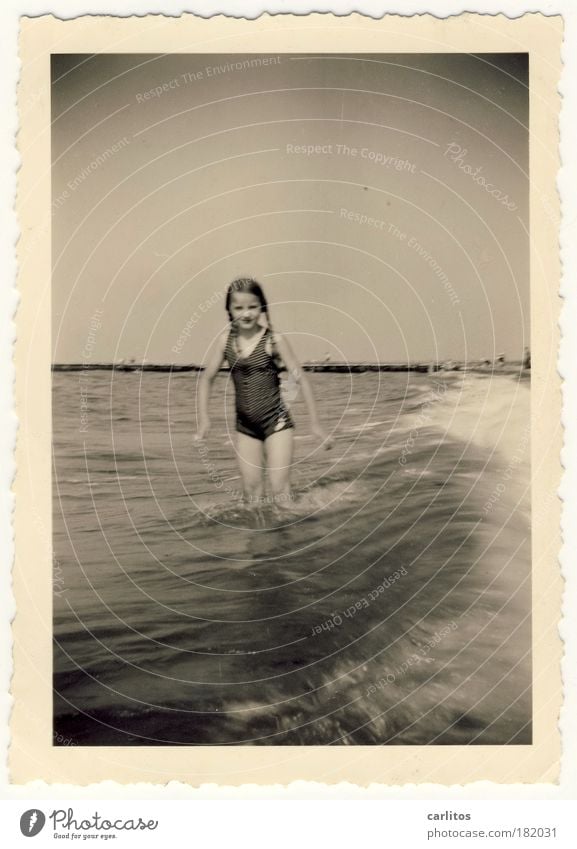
{"x": 387, "y": 602}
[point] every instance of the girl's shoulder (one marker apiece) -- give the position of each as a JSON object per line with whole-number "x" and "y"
{"x": 273, "y": 347}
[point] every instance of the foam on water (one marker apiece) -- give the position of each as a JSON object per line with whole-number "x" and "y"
{"x": 384, "y": 604}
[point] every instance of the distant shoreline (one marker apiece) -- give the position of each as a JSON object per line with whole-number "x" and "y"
{"x": 513, "y": 367}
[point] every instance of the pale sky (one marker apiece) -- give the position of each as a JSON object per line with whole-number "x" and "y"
{"x": 160, "y": 200}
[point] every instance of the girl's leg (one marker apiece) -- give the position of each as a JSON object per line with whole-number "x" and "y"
{"x": 279, "y": 455}
{"x": 250, "y": 461}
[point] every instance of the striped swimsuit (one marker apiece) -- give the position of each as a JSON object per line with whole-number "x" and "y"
{"x": 260, "y": 410}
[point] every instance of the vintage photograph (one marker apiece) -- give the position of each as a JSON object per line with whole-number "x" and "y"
{"x": 291, "y": 384}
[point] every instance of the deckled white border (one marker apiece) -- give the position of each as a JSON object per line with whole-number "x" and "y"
{"x": 9, "y": 14}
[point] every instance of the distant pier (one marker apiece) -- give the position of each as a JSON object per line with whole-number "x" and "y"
{"x": 484, "y": 366}
{"x": 333, "y": 368}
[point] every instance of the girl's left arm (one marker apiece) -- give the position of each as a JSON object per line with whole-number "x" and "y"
{"x": 294, "y": 369}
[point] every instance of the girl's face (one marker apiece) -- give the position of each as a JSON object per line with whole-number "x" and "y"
{"x": 245, "y": 310}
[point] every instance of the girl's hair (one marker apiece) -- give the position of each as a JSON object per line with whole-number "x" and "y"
{"x": 252, "y": 287}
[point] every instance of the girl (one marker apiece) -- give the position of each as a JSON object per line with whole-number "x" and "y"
{"x": 264, "y": 426}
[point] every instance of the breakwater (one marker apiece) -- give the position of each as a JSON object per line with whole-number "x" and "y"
{"x": 331, "y": 368}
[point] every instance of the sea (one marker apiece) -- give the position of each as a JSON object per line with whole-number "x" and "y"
{"x": 387, "y": 603}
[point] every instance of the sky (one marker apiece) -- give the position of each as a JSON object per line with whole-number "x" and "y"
{"x": 380, "y": 199}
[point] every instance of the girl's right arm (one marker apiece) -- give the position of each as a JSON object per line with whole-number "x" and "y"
{"x": 211, "y": 370}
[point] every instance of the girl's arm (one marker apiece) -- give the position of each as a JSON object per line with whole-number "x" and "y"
{"x": 294, "y": 368}
{"x": 211, "y": 369}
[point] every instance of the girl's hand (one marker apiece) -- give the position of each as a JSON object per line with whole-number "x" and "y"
{"x": 203, "y": 429}
{"x": 322, "y": 436}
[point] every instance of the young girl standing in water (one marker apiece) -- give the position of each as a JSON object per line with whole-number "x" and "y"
{"x": 264, "y": 425}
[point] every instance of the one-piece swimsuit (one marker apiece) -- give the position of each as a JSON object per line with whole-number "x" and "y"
{"x": 260, "y": 410}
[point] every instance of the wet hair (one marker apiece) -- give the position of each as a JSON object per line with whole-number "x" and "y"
{"x": 249, "y": 286}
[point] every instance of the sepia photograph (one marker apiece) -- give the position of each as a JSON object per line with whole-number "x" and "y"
{"x": 291, "y": 380}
